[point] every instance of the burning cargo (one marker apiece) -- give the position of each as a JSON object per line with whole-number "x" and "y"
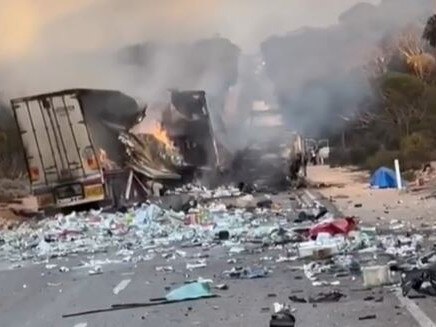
{"x": 80, "y": 146}
{"x": 177, "y": 145}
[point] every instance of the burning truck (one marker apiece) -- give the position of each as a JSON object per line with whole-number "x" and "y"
{"x": 81, "y": 147}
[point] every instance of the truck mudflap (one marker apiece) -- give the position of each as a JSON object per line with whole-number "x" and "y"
{"x": 70, "y": 195}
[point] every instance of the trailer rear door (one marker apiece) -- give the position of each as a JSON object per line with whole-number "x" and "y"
{"x": 56, "y": 141}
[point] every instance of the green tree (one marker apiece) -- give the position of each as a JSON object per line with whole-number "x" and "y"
{"x": 429, "y": 33}
{"x": 405, "y": 101}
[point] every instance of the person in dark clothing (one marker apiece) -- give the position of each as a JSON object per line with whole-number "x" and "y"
{"x": 305, "y": 161}
{"x": 312, "y": 156}
{"x": 295, "y": 166}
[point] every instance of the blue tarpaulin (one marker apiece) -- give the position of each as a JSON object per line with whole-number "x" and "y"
{"x": 384, "y": 178}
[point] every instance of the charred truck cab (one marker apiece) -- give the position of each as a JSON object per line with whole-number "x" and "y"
{"x": 189, "y": 126}
{"x": 63, "y": 135}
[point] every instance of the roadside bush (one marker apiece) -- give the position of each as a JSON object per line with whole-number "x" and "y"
{"x": 381, "y": 158}
{"x": 339, "y": 157}
{"x": 416, "y": 151}
{"x": 358, "y": 155}
{"x": 408, "y": 175}
{"x": 355, "y": 156}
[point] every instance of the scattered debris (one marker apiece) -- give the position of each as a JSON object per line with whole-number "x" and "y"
{"x": 222, "y": 287}
{"x": 376, "y": 276}
{"x": 330, "y": 251}
{"x": 282, "y": 316}
{"x": 189, "y": 292}
{"x": 297, "y": 299}
{"x": 165, "y": 268}
{"x": 266, "y": 203}
{"x": 368, "y": 317}
{"x": 332, "y": 296}
{"x": 416, "y": 279}
{"x": 54, "y": 284}
{"x": 339, "y": 226}
{"x": 223, "y": 235}
{"x": 200, "y": 263}
{"x": 97, "y": 270}
{"x": 64, "y": 269}
{"x": 247, "y": 272}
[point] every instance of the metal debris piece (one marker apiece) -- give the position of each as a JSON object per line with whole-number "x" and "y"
{"x": 297, "y": 299}
{"x": 415, "y": 279}
{"x": 332, "y": 296}
{"x": 247, "y": 272}
{"x": 368, "y": 317}
{"x": 282, "y": 316}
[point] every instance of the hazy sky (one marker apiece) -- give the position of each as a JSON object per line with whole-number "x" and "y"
{"x": 41, "y": 26}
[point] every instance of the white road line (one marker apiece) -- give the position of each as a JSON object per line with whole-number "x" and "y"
{"x": 416, "y": 312}
{"x": 122, "y": 285}
{"x": 82, "y": 324}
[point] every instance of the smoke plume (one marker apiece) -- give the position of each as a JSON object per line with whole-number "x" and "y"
{"x": 49, "y": 44}
{"x": 144, "y": 47}
{"x": 319, "y": 73}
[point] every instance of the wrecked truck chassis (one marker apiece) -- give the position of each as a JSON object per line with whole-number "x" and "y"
{"x": 415, "y": 279}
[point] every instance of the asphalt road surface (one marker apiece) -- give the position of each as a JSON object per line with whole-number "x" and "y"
{"x": 34, "y": 295}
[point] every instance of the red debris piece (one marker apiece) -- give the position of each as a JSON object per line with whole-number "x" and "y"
{"x": 339, "y": 226}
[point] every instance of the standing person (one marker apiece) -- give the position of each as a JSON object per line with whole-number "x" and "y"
{"x": 317, "y": 158}
{"x": 313, "y": 156}
{"x": 305, "y": 161}
{"x": 295, "y": 166}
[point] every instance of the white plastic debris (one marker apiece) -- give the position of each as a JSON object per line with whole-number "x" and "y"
{"x": 286, "y": 259}
{"x": 376, "y": 276}
{"x": 181, "y": 253}
{"x": 237, "y": 250}
{"x": 64, "y": 269}
{"x": 96, "y": 271}
{"x": 164, "y": 268}
{"x": 278, "y": 307}
{"x": 323, "y": 247}
{"x": 201, "y": 263}
{"x": 54, "y": 284}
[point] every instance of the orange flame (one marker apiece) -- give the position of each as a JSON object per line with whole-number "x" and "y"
{"x": 161, "y": 135}
{"x": 104, "y": 160}
{"x": 102, "y": 156}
